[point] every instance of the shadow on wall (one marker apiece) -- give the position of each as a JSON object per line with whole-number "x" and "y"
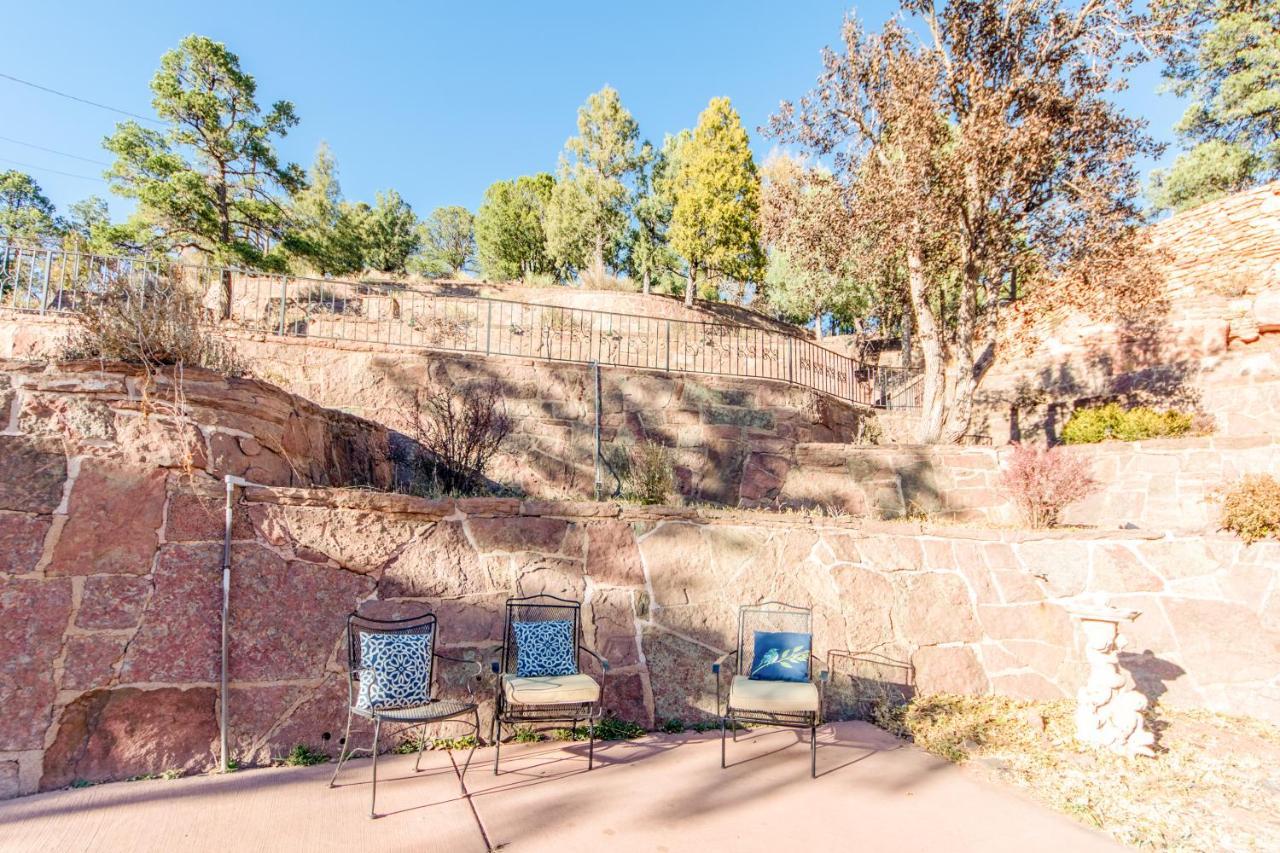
{"x": 1141, "y": 362}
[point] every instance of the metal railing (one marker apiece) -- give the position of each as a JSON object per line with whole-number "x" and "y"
{"x": 51, "y": 281}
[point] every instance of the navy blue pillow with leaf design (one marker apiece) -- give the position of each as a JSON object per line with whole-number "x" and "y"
{"x": 781, "y": 656}
{"x": 544, "y": 648}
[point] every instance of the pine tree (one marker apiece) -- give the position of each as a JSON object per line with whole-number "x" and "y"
{"x": 510, "y": 237}
{"x": 587, "y": 217}
{"x": 715, "y": 218}
{"x": 324, "y": 238}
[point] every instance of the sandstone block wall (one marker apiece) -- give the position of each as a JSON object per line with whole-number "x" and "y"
{"x": 1165, "y": 484}
{"x": 729, "y": 435}
{"x": 199, "y": 421}
{"x": 112, "y": 670}
{"x": 1209, "y": 343}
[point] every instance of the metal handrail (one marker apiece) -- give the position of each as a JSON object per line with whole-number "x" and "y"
{"x": 54, "y": 281}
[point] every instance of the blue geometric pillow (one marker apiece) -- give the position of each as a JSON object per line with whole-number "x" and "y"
{"x": 401, "y": 675}
{"x": 781, "y": 656}
{"x": 544, "y": 648}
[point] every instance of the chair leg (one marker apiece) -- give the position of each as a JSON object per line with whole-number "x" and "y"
{"x": 497, "y": 743}
{"x": 462, "y": 779}
{"x": 722, "y": 740}
{"x": 813, "y": 750}
{"x": 373, "y": 802}
{"x": 591, "y": 743}
{"x": 422, "y": 744}
{"x": 342, "y": 749}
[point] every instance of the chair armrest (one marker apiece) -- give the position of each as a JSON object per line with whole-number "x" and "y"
{"x": 716, "y": 666}
{"x": 477, "y": 663}
{"x": 604, "y": 664}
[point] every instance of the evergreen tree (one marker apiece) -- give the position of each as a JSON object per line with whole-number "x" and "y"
{"x": 510, "y": 237}
{"x": 26, "y": 214}
{"x": 324, "y": 237}
{"x": 586, "y": 219}
{"x": 649, "y": 254}
{"x": 714, "y": 221}
{"x": 1229, "y": 66}
{"x": 448, "y": 241}
{"x": 210, "y": 181}
{"x": 388, "y": 232}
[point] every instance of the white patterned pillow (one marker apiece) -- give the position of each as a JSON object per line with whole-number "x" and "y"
{"x": 401, "y": 676}
{"x": 544, "y": 648}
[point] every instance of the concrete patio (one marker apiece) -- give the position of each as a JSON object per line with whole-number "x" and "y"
{"x": 661, "y": 792}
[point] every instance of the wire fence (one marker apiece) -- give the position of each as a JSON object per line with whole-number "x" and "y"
{"x": 52, "y": 281}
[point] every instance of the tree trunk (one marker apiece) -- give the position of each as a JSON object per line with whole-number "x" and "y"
{"x": 817, "y": 324}
{"x": 647, "y": 282}
{"x": 691, "y": 287}
{"x": 906, "y": 339}
{"x": 961, "y": 413}
{"x": 930, "y": 337}
{"x": 597, "y": 260}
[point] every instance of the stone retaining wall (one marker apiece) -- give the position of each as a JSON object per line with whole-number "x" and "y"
{"x": 1165, "y": 484}
{"x": 110, "y": 582}
{"x": 728, "y": 435}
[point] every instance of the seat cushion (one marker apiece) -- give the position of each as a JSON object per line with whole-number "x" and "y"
{"x": 550, "y": 689}
{"x": 774, "y": 697}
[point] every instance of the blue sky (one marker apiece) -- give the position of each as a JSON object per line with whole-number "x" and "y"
{"x": 437, "y": 100}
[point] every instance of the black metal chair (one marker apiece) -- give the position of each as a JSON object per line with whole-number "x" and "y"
{"x": 525, "y": 700}
{"x": 790, "y": 704}
{"x": 407, "y": 715}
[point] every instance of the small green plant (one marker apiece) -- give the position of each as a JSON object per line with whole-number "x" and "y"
{"x": 1251, "y": 507}
{"x": 1093, "y": 424}
{"x": 463, "y": 742}
{"x": 673, "y": 726}
{"x": 526, "y": 734}
{"x": 650, "y": 475}
{"x": 172, "y": 773}
{"x": 304, "y": 756}
{"x": 232, "y": 766}
{"x": 141, "y": 777}
{"x": 81, "y": 783}
{"x": 609, "y": 728}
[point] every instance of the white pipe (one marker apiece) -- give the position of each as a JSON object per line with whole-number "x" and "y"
{"x": 232, "y": 482}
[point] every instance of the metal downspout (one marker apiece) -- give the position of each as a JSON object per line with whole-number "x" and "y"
{"x": 231, "y": 482}
{"x": 595, "y": 370}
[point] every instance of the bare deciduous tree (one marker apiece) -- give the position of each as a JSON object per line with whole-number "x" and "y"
{"x": 457, "y": 431}
{"x": 978, "y": 143}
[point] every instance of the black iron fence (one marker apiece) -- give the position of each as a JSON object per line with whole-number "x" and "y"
{"x": 51, "y": 281}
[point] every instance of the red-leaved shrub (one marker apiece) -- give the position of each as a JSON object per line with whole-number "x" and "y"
{"x": 1043, "y": 480}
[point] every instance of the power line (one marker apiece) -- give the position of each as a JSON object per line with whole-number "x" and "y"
{"x": 81, "y": 100}
{"x": 54, "y": 151}
{"x": 52, "y": 171}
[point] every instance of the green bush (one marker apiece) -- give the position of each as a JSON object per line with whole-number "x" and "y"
{"x": 1093, "y": 424}
{"x": 1251, "y": 507}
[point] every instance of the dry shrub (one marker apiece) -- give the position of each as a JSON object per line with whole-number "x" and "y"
{"x": 1251, "y": 507}
{"x": 650, "y": 476}
{"x": 153, "y": 321}
{"x": 457, "y": 432}
{"x": 1043, "y": 481}
{"x": 1211, "y": 785}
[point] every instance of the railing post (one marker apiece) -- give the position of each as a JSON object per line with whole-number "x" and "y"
{"x": 884, "y": 388}
{"x": 44, "y": 287}
{"x": 850, "y": 373}
{"x": 668, "y": 346}
{"x": 488, "y": 327}
{"x": 284, "y": 282}
{"x": 791, "y": 352}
